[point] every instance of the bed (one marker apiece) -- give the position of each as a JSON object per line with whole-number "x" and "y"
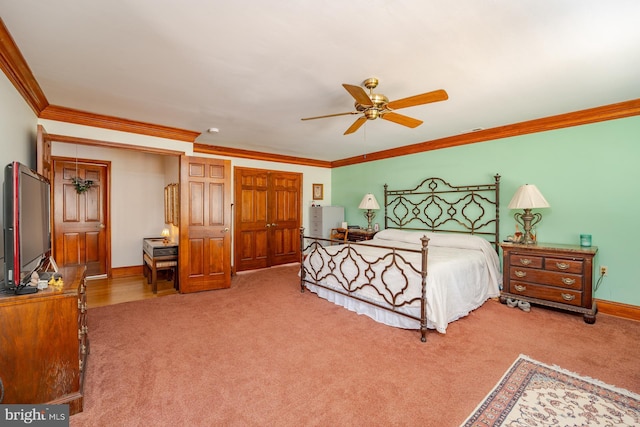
{"x": 434, "y": 262}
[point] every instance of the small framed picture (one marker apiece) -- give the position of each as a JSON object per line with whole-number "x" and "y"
{"x": 318, "y": 192}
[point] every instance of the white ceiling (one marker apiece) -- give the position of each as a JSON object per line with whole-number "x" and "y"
{"x": 254, "y": 68}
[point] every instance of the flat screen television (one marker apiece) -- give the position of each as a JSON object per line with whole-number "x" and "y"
{"x": 27, "y": 224}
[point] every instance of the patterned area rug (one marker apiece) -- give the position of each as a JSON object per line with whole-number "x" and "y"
{"x": 533, "y": 394}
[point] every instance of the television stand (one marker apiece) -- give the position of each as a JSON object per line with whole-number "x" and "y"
{"x": 24, "y": 290}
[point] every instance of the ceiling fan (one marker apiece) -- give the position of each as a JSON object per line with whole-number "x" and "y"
{"x": 376, "y": 105}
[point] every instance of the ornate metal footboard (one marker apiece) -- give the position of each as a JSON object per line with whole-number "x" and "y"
{"x": 433, "y": 205}
{"x": 347, "y": 270}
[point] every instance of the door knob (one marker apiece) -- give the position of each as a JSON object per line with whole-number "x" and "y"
{"x": 274, "y": 225}
{"x": 226, "y": 229}
{"x": 101, "y": 226}
{"x": 268, "y": 225}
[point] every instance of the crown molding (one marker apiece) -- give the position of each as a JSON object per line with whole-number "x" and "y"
{"x": 577, "y": 118}
{"x": 70, "y": 115}
{"x": 18, "y": 72}
{"x": 109, "y": 144}
{"x": 257, "y": 155}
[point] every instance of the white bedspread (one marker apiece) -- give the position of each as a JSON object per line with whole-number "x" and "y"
{"x": 463, "y": 272}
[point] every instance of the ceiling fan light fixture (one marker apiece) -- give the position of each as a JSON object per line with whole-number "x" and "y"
{"x": 372, "y": 113}
{"x": 378, "y": 100}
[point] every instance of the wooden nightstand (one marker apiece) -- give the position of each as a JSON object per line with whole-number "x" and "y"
{"x": 559, "y": 276}
{"x": 360, "y": 234}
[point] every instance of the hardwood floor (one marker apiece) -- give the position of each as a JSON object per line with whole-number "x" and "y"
{"x": 102, "y": 292}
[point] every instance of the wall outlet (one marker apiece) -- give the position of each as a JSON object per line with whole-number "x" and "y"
{"x": 604, "y": 270}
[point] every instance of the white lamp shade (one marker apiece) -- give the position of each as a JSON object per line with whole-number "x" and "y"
{"x": 528, "y": 197}
{"x": 165, "y": 232}
{"x": 369, "y": 202}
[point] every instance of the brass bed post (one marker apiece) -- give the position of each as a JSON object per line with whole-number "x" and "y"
{"x": 385, "y": 206}
{"x": 497, "y": 239}
{"x": 302, "y": 274}
{"x": 423, "y": 300}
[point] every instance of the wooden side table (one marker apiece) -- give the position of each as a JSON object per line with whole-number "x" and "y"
{"x": 159, "y": 255}
{"x": 360, "y": 234}
{"x": 553, "y": 275}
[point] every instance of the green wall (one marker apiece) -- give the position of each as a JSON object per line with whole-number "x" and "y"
{"x": 590, "y": 175}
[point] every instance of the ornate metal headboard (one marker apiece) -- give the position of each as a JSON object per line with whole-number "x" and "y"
{"x": 436, "y": 205}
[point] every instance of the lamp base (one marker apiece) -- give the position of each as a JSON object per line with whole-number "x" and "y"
{"x": 527, "y": 220}
{"x": 369, "y": 215}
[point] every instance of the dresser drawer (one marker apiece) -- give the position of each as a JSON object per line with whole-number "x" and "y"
{"x": 548, "y": 293}
{"x": 524, "y": 260}
{"x": 552, "y": 278}
{"x": 565, "y": 265}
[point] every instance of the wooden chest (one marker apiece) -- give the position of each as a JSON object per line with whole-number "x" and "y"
{"x": 44, "y": 344}
{"x": 553, "y": 275}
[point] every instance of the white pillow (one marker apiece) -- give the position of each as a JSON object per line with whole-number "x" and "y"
{"x": 452, "y": 240}
{"x": 401, "y": 236}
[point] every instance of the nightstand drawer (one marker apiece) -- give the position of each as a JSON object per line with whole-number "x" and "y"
{"x": 565, "y": 265}
{"x": 562, "y": 280}
{"x": 548, "y": 293}
{"x": 526, "y": 261}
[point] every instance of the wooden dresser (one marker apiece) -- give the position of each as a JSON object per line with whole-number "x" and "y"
{"x": 559, "y": 276}
{"x": 44, "y": 344}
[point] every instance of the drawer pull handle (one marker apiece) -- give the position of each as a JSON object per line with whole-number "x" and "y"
{"x": 568, "y": 280}
{"x": 525, "y": 261}
{"x": 568, "y": 297}
{"x": 520, "y": 288}
{"x": 520, "y": 273}
{"x": 562, "y": 265}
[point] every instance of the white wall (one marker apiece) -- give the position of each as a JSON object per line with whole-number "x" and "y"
{"x": 18, "y": 124}
{"x": 138, "y": 181}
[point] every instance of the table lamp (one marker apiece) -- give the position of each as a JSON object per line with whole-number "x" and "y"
{"x": 165, "y": 235}
{"x": 369, "y": 203}
{"x": 528, "y": 197}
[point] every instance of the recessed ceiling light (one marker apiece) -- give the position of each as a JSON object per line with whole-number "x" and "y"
{"x": 213, "y": 130}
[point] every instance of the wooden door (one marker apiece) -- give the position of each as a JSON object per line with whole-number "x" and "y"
{"x": 81, "y": 228}
{"x": 267, "y": 218}
{"x": 284, "y": 213}
{"x": 205, "y": 220}
{"x": 251, "y": 222}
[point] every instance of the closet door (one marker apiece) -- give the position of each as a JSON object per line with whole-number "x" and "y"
{"x": 251, "y": 223}
{"x": 267, "y": 218}
{"x": 284, "y": 213}
{"x": 205, "y": 221}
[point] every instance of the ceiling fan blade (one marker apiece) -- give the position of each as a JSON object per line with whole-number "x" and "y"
{"x": 330, "y": 115}
{"x": 359, "y": 95}
{"x": 425, "y": 98}
{"x": 356, "y": 125}
{"x": 402, "y": 120}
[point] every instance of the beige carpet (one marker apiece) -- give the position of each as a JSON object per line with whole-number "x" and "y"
{"x": 262, "y": 353}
